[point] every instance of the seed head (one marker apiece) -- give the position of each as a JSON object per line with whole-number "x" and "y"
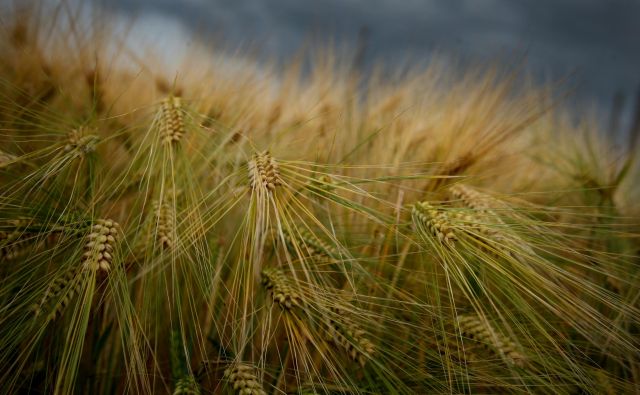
{"x": 80, "y": 143}
{"x": 477, "y": 329}
{"x": 172, "y": 120}
{"x": 315, "y": 247}
{"x": 62, "y": 290}
{"x": 471, "y": 198}
{"x": 100, "y": 245}
{"x": 244, "y": 380}
{"x": 165, "y": 224}
{"x": 186, "y": 386}
{"x": 282, "y": 293}
{"x": 436, "y": 222}
{"x": 263, "y": 172}
{"x": 350, "y": 336}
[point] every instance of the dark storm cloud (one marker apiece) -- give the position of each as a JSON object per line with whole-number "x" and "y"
{"x": 597, "y": 40}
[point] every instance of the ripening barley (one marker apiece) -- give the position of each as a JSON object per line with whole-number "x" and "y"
{"x": 80, "y": 142}
{"x": 100, "y": 245}
{"x": 172, "y": 127}
{"x": 186, "y": 386}
{"x": 244, "y": 380}
{"x": 479, "y": 330}
{"x": 264, "y": 174}
{"x": 165, "y": 227}
{"x": 61, "y": 291}
{"x": 436, "y": 223}
{"x": 350, "y": 336}
{"x": 282, "y": 293}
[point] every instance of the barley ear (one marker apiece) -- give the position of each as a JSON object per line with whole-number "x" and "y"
{"x": 479, "y": 330}
{"x": 244, "y": 380}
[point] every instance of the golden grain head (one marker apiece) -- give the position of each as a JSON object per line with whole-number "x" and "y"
{"x": 101, "y": 242}
{"x": 314, "y": 247}
{"x": 282, "y": 293}
{"x": 80, "y": 142}
{"x": 244, "y": 380}
{"x": 264, "y": 173}
{"x": 470, "y": 197}
{"x": 165, "y": 224}
{"x": 172, "y": 120}
{"x": 61, "y": 290}
{"x": 186, "y": 386}
{"x": 350, "y": 337}
{"x": 436, "y": 222}
{"x": 477, "y": 329}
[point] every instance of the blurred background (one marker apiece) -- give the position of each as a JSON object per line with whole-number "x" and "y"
{"x": 591, "y": 45}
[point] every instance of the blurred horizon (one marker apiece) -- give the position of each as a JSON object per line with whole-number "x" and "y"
{"x": 592, "y": 46}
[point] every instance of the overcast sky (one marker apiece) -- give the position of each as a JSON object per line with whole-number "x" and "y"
{"x": 596, "y": 40}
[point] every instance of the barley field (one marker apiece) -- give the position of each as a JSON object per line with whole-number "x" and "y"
{"x": 235, "y": 229}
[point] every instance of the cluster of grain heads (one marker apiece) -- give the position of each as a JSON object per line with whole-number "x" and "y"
{"x": 80, "y": 142}
{"x": 101, "y": 242}
{"x": 279, "y": 288}
{"x": 478, "y": 329}
{"x": 431, "y": 222}
{"x": 264, "y": 174}
{"x": 165, "y": 224}
{"x": 59, "y": 293}
{"x": 244, "y": 380}
{"x": 348, "y": 335}
{"x": 172, "y": 127}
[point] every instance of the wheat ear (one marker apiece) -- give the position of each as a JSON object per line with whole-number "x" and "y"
{"x": 478, "y": 329}
{"x": 244, "y": 380}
